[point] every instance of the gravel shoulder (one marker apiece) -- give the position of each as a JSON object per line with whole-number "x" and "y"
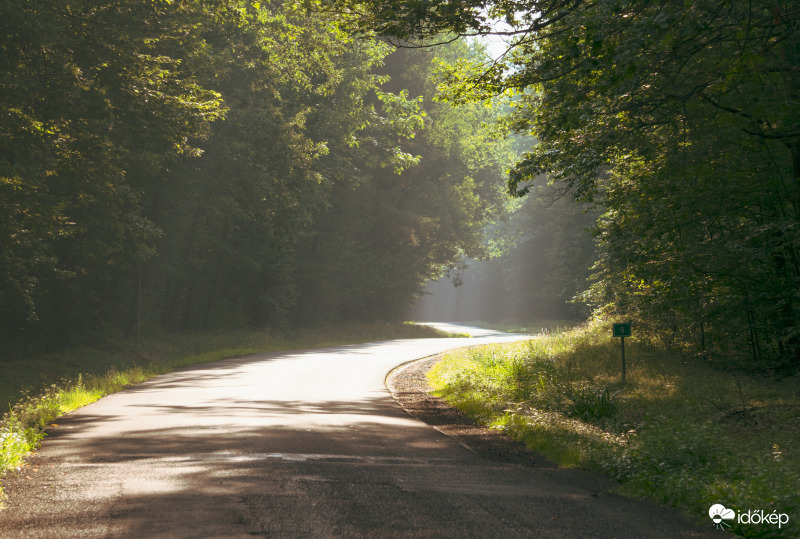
{"x": 409, "y": 387}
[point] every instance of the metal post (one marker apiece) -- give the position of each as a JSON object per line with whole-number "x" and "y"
{"x": 138, "y": 303}
{"x": 623, "y": 359}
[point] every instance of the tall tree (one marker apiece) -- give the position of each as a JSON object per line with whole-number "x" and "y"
{"x": 682, "y": 119}
{"x": 232, "y": 218}
{"x": 88, "y": 88}
{"x": 395, "y": 226}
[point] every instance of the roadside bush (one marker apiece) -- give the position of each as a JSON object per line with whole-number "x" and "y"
{"x": 590, "y": 404}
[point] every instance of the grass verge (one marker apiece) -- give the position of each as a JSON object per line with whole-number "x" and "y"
{"x": 41, "y": 388}
{"x": 679, "y": 431}
{"x": 531, "y": 327}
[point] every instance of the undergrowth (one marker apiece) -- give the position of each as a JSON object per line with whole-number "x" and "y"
{"x": 679, "y": 431}
{"x": 41, "y": 388}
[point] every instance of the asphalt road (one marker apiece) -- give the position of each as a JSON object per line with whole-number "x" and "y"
{"x": 297, "y": 444}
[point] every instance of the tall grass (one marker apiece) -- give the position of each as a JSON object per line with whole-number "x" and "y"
{"x": 680, "y": 431}
{"x": 41, "y": 388}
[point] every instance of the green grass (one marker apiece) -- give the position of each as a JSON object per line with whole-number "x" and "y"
{"x": 680, "y": 431}
{"x": 41, "y": 388}
{"x": 532, "y": 327}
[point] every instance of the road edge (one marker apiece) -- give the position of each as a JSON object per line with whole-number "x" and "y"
{"x": 409, "y": 386}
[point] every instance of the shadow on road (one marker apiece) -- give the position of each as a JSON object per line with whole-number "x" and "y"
{"x": 296, "y": 444}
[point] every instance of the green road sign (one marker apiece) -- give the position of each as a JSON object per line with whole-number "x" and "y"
{"x": 622, "y": 330}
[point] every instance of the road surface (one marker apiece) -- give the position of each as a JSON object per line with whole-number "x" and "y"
{"x": 297, "y": 444}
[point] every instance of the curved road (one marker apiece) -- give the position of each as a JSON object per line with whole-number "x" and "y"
{"x": 297, "y": 444}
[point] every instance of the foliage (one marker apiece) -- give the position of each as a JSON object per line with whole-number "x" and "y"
{"x": 82, "y": 83}
{"x": 681, "y": 121}
{"x": 185, "y": 166}
{"x": 678, "y": 431}
{"x": 383, "y": 235}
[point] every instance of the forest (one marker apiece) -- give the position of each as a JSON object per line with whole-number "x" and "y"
{"x": 679, "y": 123}
{"x": 189, "y": 166}
{"x": 173, "y": 166}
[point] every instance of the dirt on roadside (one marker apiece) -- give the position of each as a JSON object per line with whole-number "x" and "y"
{"x": 409, "y": 386}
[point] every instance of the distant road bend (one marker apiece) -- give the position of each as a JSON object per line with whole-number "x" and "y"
{"x": 298, "y": 444}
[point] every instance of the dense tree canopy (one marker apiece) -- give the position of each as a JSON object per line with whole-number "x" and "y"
{"x": 189, "y": 165}
{"x": 90, "y": 92}
{"x": 192, "y": 165}
{"x": 682, "y": 121}
{"x": 381, "y": 239}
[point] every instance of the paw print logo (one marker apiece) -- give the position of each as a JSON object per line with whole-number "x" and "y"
{"x": 719, "y": 514}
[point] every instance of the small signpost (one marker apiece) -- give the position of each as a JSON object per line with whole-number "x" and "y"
{"x": 622, "y": 331}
